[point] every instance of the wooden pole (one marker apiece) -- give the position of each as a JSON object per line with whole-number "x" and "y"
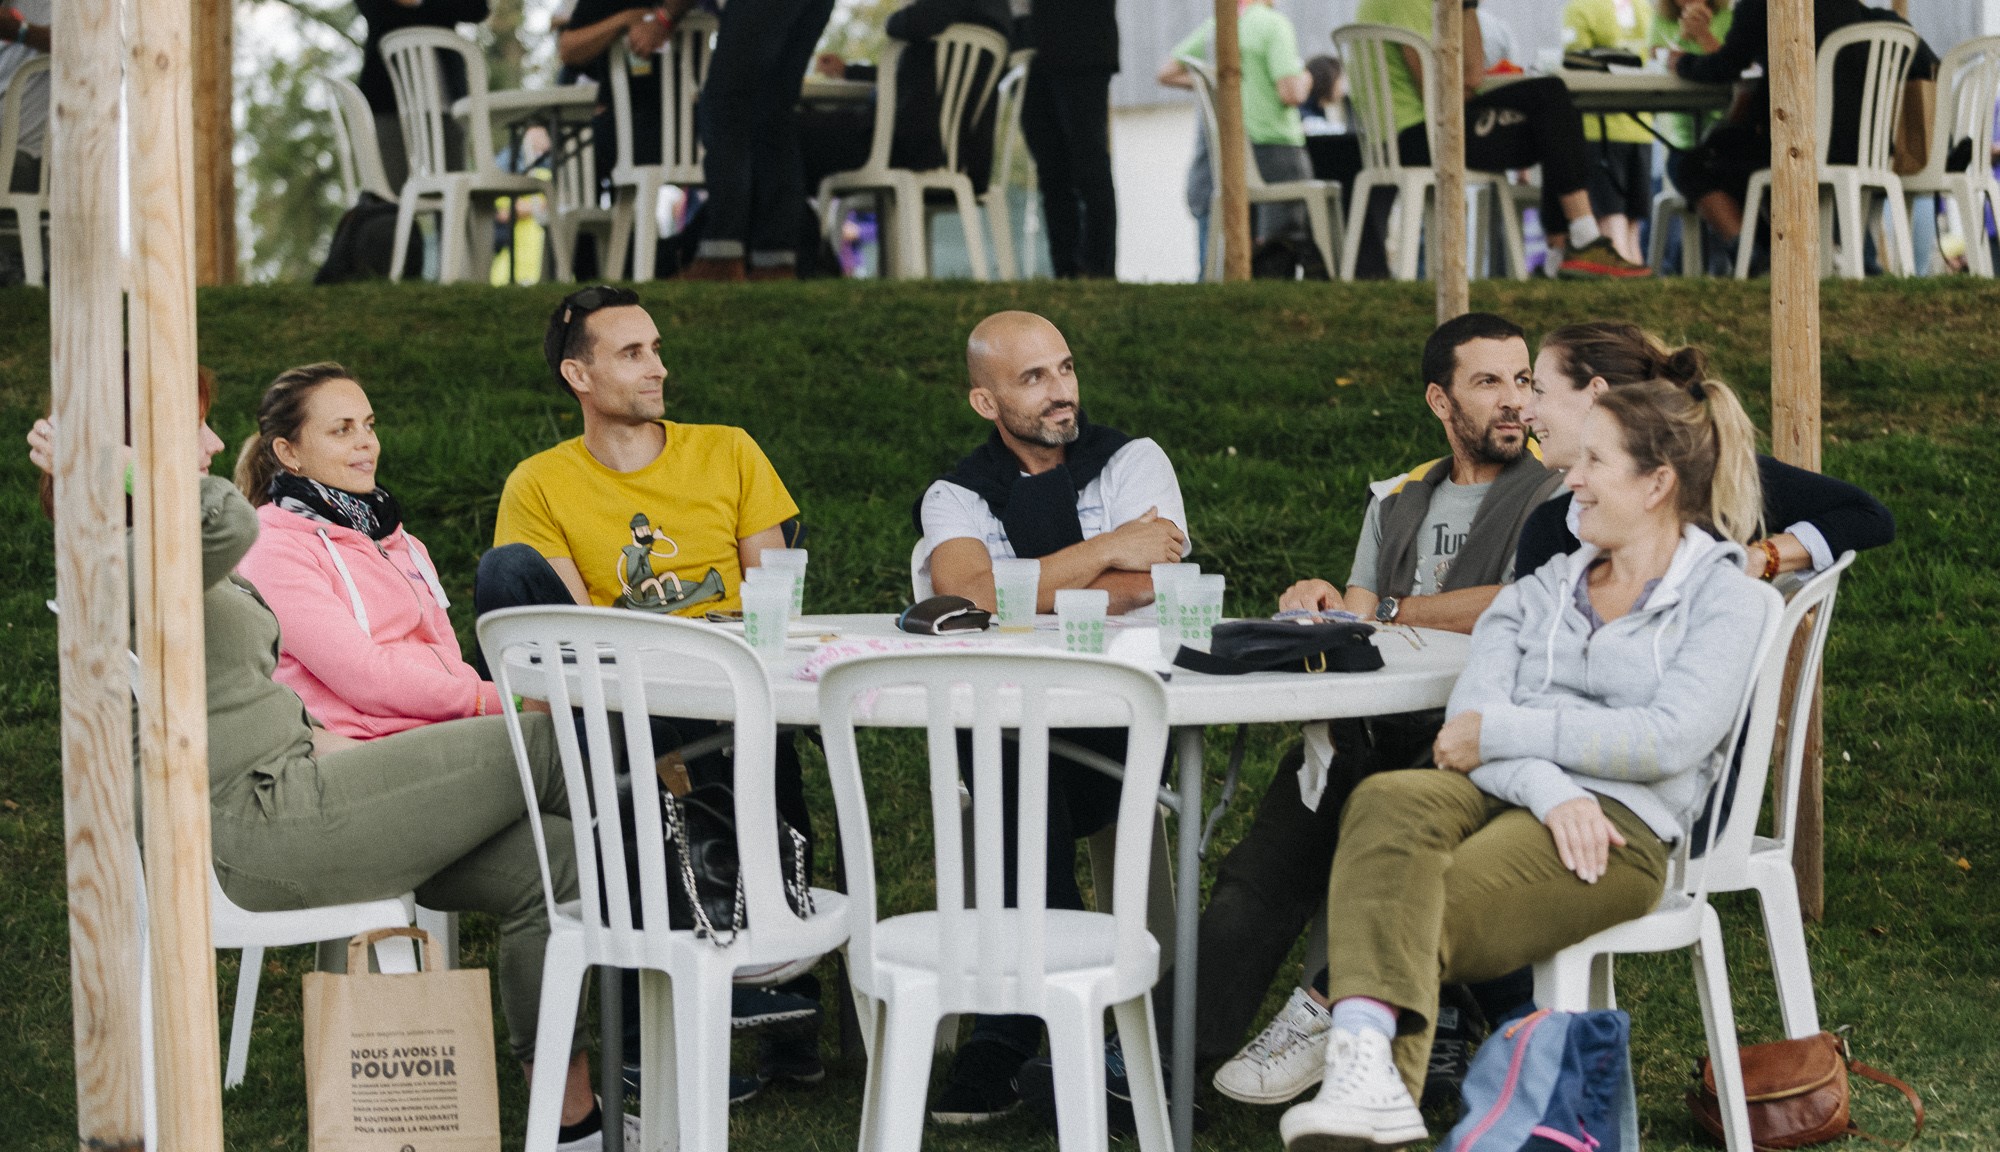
{"x": 1229, "y": 126}
{"x": 1795, "y": 369}
{"x": 214, "y": 143}
{"x": 1902, "y": 8}
{"x": 173, "y": 710}
{"x": 86, "y": 319}
{"x": 1447, "y": 253}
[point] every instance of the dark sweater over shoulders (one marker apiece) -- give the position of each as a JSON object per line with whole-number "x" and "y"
{"x": 385, "y": 16}
{"x": 1849, "y": 518}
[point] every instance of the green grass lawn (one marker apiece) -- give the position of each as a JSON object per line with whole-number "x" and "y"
{"x": 1277, "y": 403}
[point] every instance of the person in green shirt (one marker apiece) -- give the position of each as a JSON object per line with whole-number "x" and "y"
{"x": 1696, "y": 26}
{"x": 1621, "y": 146}
{"x": 1275, "y": 83}
{"x": 1521, "y": 123}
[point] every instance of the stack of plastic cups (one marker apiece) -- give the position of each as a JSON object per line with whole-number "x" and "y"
{"x": 1016, "y": 587}
{"x": 767, "y": 595}
{"x": 1165, "y": 578}
{"x": 791, "y": 560}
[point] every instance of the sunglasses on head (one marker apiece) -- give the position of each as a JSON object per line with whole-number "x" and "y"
{"x": 588, "y": 300}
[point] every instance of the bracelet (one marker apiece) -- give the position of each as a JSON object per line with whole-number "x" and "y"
{"x": 1770, "y": 559}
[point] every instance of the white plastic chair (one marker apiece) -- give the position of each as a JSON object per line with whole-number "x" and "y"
{"x": 465, "y": 236}
{"x": 684, "y": 985}
{"x": 1671, "y": 209}
{"x": 1848, "y": 189}
{"x": 356, "y": 146}
{"x": 1321, "y": 198}
{"x": 28, "y": 207}
{"x": 1371, "y": 53}
{"x": 1011, "y": 92}
{"x": 1969, "y": 83}
{"x": 1579, "y": 977}
{"x": 1066, "y": 967}
{"x": 682, "y": 71}
{"x": 969, "y": 61}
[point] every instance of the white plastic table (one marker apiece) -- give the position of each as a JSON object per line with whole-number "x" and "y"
{"x": 1420, "y": 667}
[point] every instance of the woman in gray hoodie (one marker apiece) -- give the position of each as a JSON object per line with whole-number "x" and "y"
{"x": 1587, "y": 729}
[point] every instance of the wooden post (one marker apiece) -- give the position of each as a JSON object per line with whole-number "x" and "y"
{"x": 1447, "y": 254}
{"x": 1902, "y": 8}
{"x": 214, "y": 143}
{"x": 1795, "y": 369}
{"x": 173, "y": 710}
{"x": 86, "y": 319}
{"x": 1232, "y": 149}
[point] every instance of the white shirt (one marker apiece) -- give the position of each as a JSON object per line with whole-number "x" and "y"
{"x": 1137, "y": 477}
{"x": 35, "y": 101}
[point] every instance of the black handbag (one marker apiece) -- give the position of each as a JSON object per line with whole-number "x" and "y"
{"x": 1240, "y": 646}
{"x": 705, "y": 882}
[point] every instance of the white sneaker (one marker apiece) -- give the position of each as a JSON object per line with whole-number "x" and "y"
{"x": 1362, "y": 1103}
{"x": 1286, "y": 1058}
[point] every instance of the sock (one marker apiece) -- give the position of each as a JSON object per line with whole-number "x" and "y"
{"x": 584, "y": 1127}
{"x": 1583, "y": 232}
{"x": 1359, "y": 1014}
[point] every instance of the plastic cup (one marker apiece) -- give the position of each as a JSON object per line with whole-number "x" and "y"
{"x": 1016, "y": 585}
{"x": 1081, "y": 612}
{"x": 1198, "y": 607}
{"x": 767, "y": 614}
{"x": 793, "y": 560}
{"x": 1165, "y": 578}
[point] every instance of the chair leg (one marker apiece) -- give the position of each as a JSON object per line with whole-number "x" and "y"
{"x": 1510, "y": 234}
{"x": 1416, "y": 203}
{"x": 555, "y": 1025}
{"x": 248, "y": 971}
{"x": 480, "y": 216}
{"x": 969, "y": 219}
{"x": 612, "y": 262}
{"x": 1337, "y": 240}
{"x": 1322, "y": 231}
{"x": 406, "y": 223}
{"x": 659, "y": 1096}
{"x": 913, "y": 244}
{"x": 1753, "y": 206}
{"x": 1076, "y": 1048}
{"x": 452, "y": 262}
{"x": 1350, "y": 243}
{"x": 1694, "y": 255}
{"x": 1711, "y": 977}
{"x": 1000, "y": 221}
{"x": 1852, "y": 221}
{"x": 1603, "y": 989}
{"x": 701, "y": 1053}
{"x": 1143, "y": 1072}
{"x": 1785, "y": 934}
{"x": 30, "y": 221}
{"x": 899, "y": 1075}
{"x": 1900, "y": 235}
{"x": 645, "y": 222}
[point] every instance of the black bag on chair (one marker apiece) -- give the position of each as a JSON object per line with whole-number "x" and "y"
{"x": 705, "y": 882}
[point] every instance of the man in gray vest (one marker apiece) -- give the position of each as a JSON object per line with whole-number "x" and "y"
{"x": 1436, "y": 546}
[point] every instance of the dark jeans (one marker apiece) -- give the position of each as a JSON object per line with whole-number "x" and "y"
{"x": 1724, "y": 161}
{"x": 515, "y": 576}
{"x": 1520, "y": 125}
{"x": 1272, "y": 883}
{"x": 1066, "y": 122}
{"x": 748, "y": 119}
{"x": 1081, "y": 802}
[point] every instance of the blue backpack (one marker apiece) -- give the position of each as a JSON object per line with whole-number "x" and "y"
{"x": 1551, "y": 1082}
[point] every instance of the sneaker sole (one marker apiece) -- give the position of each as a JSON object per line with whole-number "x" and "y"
{"x": 1267, "y": 1098}
{"x": 765, "y": 1020}
{"x": 1353, "y": 1142}
{"x": 967, "y": 1119}
{"x": 1601, "y": 272}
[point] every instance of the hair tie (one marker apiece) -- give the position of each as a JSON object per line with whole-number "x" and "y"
{"x": 1696, "y": 390}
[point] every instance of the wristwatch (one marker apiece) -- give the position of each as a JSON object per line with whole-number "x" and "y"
{"x": 1386, "y": 609}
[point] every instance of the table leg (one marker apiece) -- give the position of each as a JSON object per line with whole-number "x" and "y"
{"x": 1187, "y": 933}
{"x": 611, "y": 1045}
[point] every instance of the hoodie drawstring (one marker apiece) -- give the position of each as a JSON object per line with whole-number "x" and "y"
{"x": 353, "y": 593}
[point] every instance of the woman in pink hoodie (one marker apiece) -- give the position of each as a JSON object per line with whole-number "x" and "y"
{"x": 367, "y": 643}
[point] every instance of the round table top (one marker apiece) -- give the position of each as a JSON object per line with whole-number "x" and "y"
{"x": 1420, "y": 667}
{"x": 825, "y": 88}
{"x": 1622, "y": 91}
{"x": 569, "y": 103}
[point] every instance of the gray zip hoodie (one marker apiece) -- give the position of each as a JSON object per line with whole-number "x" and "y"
{"x": 1637, "y": 712}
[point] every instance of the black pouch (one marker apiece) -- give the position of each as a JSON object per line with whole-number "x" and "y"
{"x": 1600, "y": 59}
{"x": 941, "y": 615}
{"x": 1240, "y": 646}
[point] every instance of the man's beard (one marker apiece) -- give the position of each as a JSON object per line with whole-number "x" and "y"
{"x": 1485, "y": 443}
{"x": 1038, "y": 430}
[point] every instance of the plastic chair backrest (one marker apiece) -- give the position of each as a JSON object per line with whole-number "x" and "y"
{"x": 1889, "y": 48}
{"x": 1204, "y": 91}
{"x": 415, "y": 58}
{"x": 968, "y": 62}
{"x": 1751, "y": 736}
{"x": 1809, "y": 613}
{"x": 988, "y": 958}
{"x": 1968, "y": 86}
{"x": 1371, "y": 55}
{"x": 10, "y": 119}
{"x": 604, "y": 653}
{"x": 682, "y": 70}
{"x": 360, "y": 152}
{"x": 1011, "y": 92}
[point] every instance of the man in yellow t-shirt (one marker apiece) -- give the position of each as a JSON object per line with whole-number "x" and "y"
{"x": 644, "y": 513}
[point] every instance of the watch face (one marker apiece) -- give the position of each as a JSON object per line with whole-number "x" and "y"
{"x": 1385, "y": 609}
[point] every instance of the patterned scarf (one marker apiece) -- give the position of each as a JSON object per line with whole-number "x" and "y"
{"x": 375, "y": 514}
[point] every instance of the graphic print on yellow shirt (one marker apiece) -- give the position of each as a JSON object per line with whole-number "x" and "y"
{"x": 662, "y": 538}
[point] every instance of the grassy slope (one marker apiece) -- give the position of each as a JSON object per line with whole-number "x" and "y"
{"x": 1276, "y": 403}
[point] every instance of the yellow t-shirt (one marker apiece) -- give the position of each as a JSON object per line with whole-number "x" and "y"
{"x": 1626, "y": 24}
{"x": 660, "y": 539}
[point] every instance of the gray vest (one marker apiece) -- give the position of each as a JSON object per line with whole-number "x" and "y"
{"x": 1489, "y": 544}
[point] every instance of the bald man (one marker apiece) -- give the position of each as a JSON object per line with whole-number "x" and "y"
{"x": 1098, "y": 509}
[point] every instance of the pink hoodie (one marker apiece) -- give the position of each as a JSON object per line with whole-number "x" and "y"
{"x": 363, "y": 635}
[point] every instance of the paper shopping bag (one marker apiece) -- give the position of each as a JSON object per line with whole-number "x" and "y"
{"x": 400, "y": 1063}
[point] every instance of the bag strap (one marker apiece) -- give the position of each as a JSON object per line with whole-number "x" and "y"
{"x": 357, "y": 953}
{"x": 1909, "y": 1093}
